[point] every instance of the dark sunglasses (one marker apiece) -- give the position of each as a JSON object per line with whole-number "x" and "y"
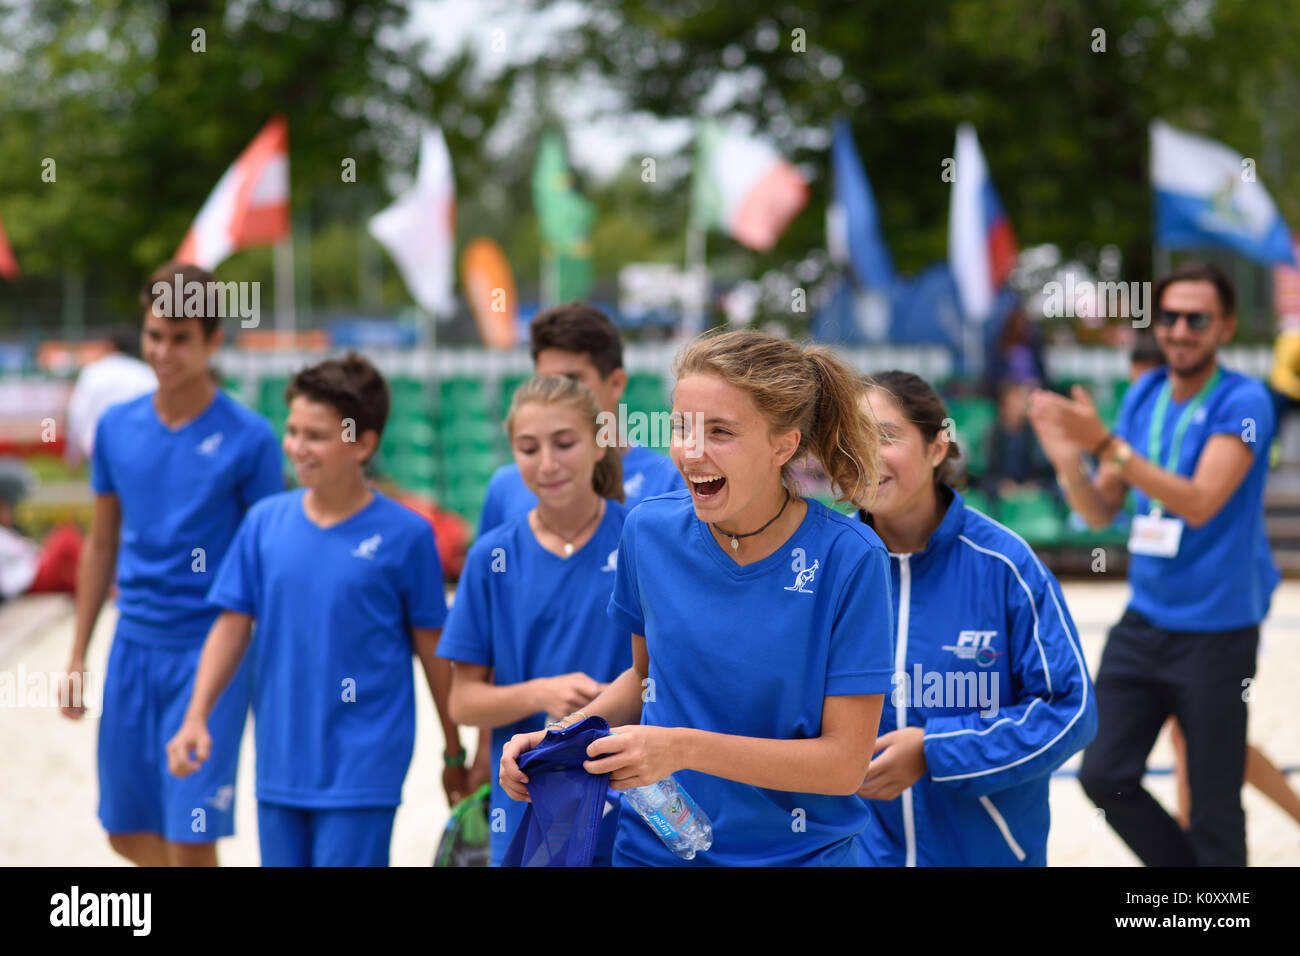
{"x": 1196, "y": 321}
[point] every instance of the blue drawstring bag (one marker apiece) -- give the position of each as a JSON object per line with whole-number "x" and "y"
{"x": 567, "y": 822}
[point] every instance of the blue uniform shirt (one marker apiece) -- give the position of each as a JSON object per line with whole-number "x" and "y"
{"x": 1223, "y": 575}
{"x": 646, "y": 473}
{"x": 528, "y": 613}
{"x": 753, "y": 651}
{"x": 333, "y": 694}
{"x": 182, "y": 494}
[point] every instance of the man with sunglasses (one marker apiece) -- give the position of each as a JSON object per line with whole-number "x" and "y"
{"x": 1192, "y": 442}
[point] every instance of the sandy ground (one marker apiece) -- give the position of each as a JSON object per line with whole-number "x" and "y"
{"x": 49, "y": 794}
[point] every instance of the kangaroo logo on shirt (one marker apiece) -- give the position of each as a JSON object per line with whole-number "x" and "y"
{"x": 802, "y": 578}
{"x": 632, "y": 487}
{"x": 210, "y": 444}
{"x": 366, "y": 549}
{"x": 611, "y": 563}
{"x": 975, "y": 646}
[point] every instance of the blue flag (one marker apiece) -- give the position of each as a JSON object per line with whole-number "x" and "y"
{"x": 1206, "y": 194}
{"x": 852, "y": 223}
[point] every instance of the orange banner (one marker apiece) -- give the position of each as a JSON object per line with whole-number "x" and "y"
{"x": 490, "y": 289}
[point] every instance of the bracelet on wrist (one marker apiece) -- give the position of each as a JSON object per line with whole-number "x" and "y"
{"x": 1117, "y": 459}
{"x": 454, "y": 760}
{"x": 564, "y": 723}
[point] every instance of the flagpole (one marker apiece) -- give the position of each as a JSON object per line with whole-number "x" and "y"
{"x": 370, "y": 268}
{"x": 284, "y": 307}
{"x": 1160, "y": 260}
{"x": 74, "y": 304}
{"x": 698, "y": 276}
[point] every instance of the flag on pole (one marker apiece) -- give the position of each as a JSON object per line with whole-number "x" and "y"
{"x": 1207, "y": 195}
{"x": 490, "y": 288}
{"x": 419, "y": 228}
{"x": 8, "y": 264}
{"x": 981, "y": 243}
{"x": 249, "y": 207}
{"x": 852, "y": 224}
{"x": 564, "y": 218}
{"x": 744, "y": 188}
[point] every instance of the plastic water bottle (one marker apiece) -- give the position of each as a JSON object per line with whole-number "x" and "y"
{"x": 671, "y": 813}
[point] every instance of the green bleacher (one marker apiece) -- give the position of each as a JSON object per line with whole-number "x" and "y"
{"x": 446, "y": 439}
{"x": 270, "y": 401}
{"x": 972, "y": 417}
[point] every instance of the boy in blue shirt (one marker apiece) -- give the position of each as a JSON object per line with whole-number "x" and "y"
{"x": 173, "y": 471}
{"x": 343, "y": 583}
{"x": 1192, "y": 441}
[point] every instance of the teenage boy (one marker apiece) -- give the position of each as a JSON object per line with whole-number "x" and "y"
{"x": 1192, "y": 442}
{"x": 174, "y": 472}
{"x": 579, "y": 341}
{"x": 343, "y": 583}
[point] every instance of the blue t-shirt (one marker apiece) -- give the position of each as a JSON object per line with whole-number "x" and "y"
{"x": 529, "y": 613}
{"x": 1223, "y": 575}
{"x": 646, "y": 473}
{"x": 754, "y": 651}
{"x": 182, "y": 494}
{"x": 333, "y": 694}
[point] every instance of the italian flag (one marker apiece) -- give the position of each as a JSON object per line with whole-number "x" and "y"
{"x": 744, "y": 188}
{"x": 250, "y": 204}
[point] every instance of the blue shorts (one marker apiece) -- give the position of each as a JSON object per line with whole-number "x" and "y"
{"x": 311, "y": 836}
{"x": 146, "y": 692}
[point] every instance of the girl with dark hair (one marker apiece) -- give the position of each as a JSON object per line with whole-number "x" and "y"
{"x": 991, "y": 693}
{"x": 528, "y": 632}
{"x": 760, "y": 619}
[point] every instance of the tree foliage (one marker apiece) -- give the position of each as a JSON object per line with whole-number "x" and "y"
{"x": 140, "y": 124}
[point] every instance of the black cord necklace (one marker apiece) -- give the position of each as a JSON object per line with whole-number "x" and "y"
{"x": 735, "y": 538}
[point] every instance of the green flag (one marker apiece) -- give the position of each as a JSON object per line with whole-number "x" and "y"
{"x": 564, "y": 219}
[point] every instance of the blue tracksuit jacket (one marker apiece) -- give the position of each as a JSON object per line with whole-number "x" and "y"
{"x": 987, "y": 661}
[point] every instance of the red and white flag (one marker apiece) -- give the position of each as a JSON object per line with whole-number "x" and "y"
{"x": 8, "y": 264}
{"x": 249, "y": 207}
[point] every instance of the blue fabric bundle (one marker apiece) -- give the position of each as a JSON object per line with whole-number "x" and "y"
{"x": 562, "y": 824}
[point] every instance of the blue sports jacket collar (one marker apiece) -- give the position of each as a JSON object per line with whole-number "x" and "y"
{"x": 944, "y": 535}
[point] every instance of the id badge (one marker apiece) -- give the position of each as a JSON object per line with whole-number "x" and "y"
{"x": 1155, "y": 535}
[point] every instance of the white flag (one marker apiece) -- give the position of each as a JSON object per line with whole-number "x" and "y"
{"x": 418, "y": 229}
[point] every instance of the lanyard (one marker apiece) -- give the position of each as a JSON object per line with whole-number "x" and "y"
{"x": 1156, "y": 432}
